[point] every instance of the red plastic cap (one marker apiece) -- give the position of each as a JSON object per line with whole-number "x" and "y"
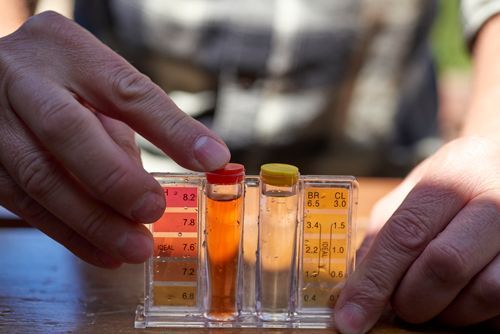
{"x": 231, "y": 173}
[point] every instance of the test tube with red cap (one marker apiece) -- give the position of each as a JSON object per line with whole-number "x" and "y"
{"x": 224, "y": 221}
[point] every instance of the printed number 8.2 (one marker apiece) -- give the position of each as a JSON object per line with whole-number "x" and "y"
{"x": 188, "y": 197}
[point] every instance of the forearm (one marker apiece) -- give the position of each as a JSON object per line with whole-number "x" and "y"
{"x": 483, "y": 116}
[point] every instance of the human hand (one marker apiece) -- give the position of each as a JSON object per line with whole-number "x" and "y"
{"x": 69, "y": 164}
{"x": 438, "y": 255}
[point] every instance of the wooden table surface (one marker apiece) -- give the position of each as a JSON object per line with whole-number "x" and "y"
{"x": 45, "y": 289}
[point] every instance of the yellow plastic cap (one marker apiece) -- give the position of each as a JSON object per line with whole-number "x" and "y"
{"x": 279, "y": 174}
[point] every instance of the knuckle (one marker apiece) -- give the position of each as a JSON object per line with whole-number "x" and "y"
{"x": 28, "y": 208}
{"x": 130, "y": 86}
{"x": 51, "y": 31}
{"x": 92, "y": 225}
{"x": 115, "y": 180}
{"x": 488, "y": 210}
{"x": 373, "y": 291}
{"x": 6, "y": 183}
{"x": 446, "y": 264}
{"x": 408, "y": 229}
{"x": 487, "y": 292}
{"x": 379, "y": 288}
{"x": 175, "y": 122}
{"x": 14, "y": 67}
{"x": 43, "y": 22}
{"x": 57, "y": 120}
{"x": 37, "y": 175}
{"x": 17, "y": 199}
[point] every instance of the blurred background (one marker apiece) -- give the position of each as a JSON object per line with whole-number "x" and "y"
{"x": 363, "y": 87}
{"x": 358, "y": 87}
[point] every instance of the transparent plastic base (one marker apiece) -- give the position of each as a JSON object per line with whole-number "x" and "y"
{"x": 162, "y": 319}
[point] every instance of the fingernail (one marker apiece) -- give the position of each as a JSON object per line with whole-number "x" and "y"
{"x": 136, "y": 248}
{"x": 350, "y": 319}
{"x": 148, "y": 208}
{"x": 210, "y": 153}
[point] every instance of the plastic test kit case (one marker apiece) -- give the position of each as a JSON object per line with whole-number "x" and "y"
{"x": 249, "y": 251}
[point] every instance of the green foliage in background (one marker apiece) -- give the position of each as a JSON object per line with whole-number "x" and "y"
{"x": 447, "y": 39}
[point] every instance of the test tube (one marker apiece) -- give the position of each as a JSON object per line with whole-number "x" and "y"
{"x": 277, "y": 238}
{"x": 224, "y": 221}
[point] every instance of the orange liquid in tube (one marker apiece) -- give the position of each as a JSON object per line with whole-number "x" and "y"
{"x": 223, "y": 245}
{"x": 224, "y": 215}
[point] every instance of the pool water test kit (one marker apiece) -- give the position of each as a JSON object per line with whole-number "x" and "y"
{"x": 233, "y": 250}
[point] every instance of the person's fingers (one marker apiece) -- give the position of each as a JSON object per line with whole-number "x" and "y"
{"x": 455, "y": 175}
{"x": 17, "y": 201}
{"x": 40, "y": 176}
{"x": 385, "y": 207}
{"x": 122, "y": 135}
{"x": 450, "y": 261}
{"x": 112, "y": 86}
{"x": 76, "y": 138}
{"x": 480, "y": 301}
{"x": 424, "y": 213}
{"x": 135, "y": 99}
